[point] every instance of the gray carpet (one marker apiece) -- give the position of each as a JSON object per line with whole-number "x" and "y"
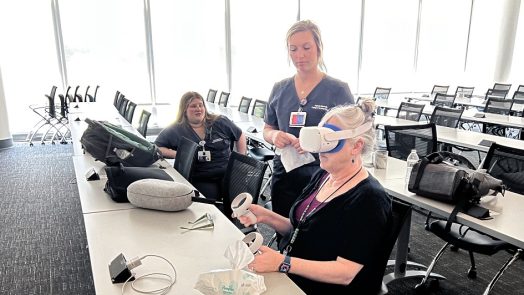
{"x": 42, "y": 237}
{"x": 43, "y": 243}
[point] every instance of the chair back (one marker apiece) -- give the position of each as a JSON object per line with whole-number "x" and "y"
{"x": 498, "y": 105}
{"x": 440, "y": 89}
{"x": 244, "y": 104}
{"x": 130, "y": 112}
{"x": 400, "y": 140}
{"x": 222, "y": 100}
{"x": 89, "y": 97}
{"x": 96, "y": 92}
{"x": 77, "y": 97}
{"x": 464, "y": 91}
{"x": 243, "y": 175}
{"x": 507, "y": 164}
{"x": 142, "y": 123}
{"x": 123, "y": 106}
{"x": 498, "y": 93}
{"x": 381, "y": 93}
{"x": 447, "y": 117}
{"x": 185, "y": 157}
{"x": 500, "y": 86}
{"x": 520, "y": 88}
{"x": 259, "y": 108}
{"x": 211, "y": 95}
{"x": 446, "y": 100}
{"x": 87, "y": 92}
{"x": 518, "y": 100}
{"x": 410, "y": 111}
{"x": 116, "y": 100}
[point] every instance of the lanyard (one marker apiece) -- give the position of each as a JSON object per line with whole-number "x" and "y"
{"x": 303, "y": 217}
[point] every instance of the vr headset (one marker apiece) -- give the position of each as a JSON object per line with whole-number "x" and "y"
{"x": 328, "y": 138}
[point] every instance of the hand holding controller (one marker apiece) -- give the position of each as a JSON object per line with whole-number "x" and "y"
{"x": 240, "y": 207}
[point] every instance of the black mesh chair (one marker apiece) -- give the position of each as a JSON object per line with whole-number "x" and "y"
{"x": 123, "y": 106}
{"x": 259, "y": 108}
{"x": 520, "y": 88}
{"x": 130, "y": 111}
{"x": 185, "y": 157}
{"x": 464, "y": 91}
{"x": 116, "y": 99}
{"x": 446, "y": 100}
{"x": 211, "y": 95}
{"x": 497, "y": 105}
{"x": 498, "y": 93}
{"x": 447, "y": 117}
{"x": 76, "y": 96}
{"x": 244, "y": 104}
{"x": 222, "y": 100}
{"x": 142, "y": 123}
{"x": 243, "y": 175}
{"x": 501, "y": 86}
{"x": 440, "y": 89}
{"x": 400, "y": 140}
{"x": 91, "y": 98}
{"x": 518, "y": 102}
{"x": 507, "y": 164}
{"x": 381, "y": 93}
{"x": 410, "y": 111}
{"x": 120, "y": 101}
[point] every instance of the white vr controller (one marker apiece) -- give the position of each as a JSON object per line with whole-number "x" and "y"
{"x": 253, "y": 240}
{"x": 240, "y": 207}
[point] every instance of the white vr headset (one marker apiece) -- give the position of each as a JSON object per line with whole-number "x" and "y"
{"x": 328, "y": 138}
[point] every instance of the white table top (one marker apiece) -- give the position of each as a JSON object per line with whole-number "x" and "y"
{"x": 139, "y": 232}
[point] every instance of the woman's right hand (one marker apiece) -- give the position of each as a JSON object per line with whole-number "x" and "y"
{"x": 259, "y": 213}
{"x": 282, "y": 139}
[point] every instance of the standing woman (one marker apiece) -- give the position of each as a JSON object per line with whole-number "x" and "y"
{"x": 299, "y": 101}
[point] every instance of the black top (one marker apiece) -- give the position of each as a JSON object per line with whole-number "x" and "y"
{"x": 220, "y": 137}
{"x": 353, "y": 226}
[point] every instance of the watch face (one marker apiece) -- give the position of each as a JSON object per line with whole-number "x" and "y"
{"x": 284, "y": 267}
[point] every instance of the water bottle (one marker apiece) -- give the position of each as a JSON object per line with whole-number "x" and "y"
{"x": 411, "y": 161}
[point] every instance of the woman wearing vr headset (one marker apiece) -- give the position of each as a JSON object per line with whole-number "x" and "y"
{"x": 215, "y": 136}
{"x": 296, "y": 102}
{"x": 339, "y": 223}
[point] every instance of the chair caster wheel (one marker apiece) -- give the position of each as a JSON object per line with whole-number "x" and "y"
{"x": 454, "y": 248}
{"x": 472, "y": 274}
{"x": 31, "y": 144}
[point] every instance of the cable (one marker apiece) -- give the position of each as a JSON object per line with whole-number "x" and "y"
{"x": 160, "y": 291}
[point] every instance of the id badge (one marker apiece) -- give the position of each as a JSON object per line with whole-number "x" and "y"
{"x": 204, "y": 156}
{"x": 297, "y": 119}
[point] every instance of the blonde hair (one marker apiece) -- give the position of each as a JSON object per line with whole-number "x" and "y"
{"x": 304, "y": 26}
{"x": 353, "y": 116}
{"x": 185, "y": 100}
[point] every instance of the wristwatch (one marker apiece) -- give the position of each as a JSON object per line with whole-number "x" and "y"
{"x": 285, "y": 265}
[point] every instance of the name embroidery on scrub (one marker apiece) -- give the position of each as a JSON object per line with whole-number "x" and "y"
{"x": 320, "y": 107}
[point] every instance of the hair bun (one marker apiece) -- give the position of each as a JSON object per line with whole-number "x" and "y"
{"x": 368, "y": 106}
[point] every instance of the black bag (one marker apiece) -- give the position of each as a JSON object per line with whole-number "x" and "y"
{"x": 119, "y": 178}
{"x": 434, "y": 178}
{"x": 113, "y": 145}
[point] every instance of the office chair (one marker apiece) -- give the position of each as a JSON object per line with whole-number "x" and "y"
{"x": 444, "y": 116}
{"x": 400, "y": 140}
{"x": 446, "y": 100}
{"x": 464, "y": 91}
{"x": 244, "y": 104}
{"x": 222, "y": 100}
{"x": 89, "y": 97}
{"x": 142, "y": 123}
{"x": 410, "y": 111}
{"x": 259, "y": 108}
{"x": 507, "y": 164}
{"x": 76, "y": 96}
{"x": 497, "y": 105}
{"x": 499, "y": 93}
{"x": 381, "y": 93}
{"x": 211, "y": 95}
{"x": 243, "y": 175}
{"x": 500, "y": 86}
{"x": 185, "y": 157}
{"x": 123, "y": 106}
{"x": 440, "y": 89}
{"x": 130, "y": 111}
{"x": 116, "y": 99}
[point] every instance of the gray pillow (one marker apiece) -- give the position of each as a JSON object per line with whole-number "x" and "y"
{"x": 160, "y": 194}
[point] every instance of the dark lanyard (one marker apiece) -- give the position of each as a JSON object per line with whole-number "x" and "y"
{"x": 303, "y": 217}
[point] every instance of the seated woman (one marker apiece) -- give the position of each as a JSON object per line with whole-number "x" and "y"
{"x": 333, "y": 237}
{"x": 215, "y": 136}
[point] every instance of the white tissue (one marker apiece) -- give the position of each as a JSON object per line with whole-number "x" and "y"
{"x": 235, "y": 281}
{"x": 291, "y": 159}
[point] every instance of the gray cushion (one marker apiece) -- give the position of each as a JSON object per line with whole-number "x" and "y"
{"x": 160, "y": 194}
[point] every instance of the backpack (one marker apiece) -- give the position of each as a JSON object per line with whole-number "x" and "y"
{"x": 113, "y": 145}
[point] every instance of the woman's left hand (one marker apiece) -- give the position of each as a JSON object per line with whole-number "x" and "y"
{"x": 267, "y": 261}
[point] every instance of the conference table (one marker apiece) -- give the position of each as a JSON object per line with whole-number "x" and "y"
{"x": 115, "y": 228}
